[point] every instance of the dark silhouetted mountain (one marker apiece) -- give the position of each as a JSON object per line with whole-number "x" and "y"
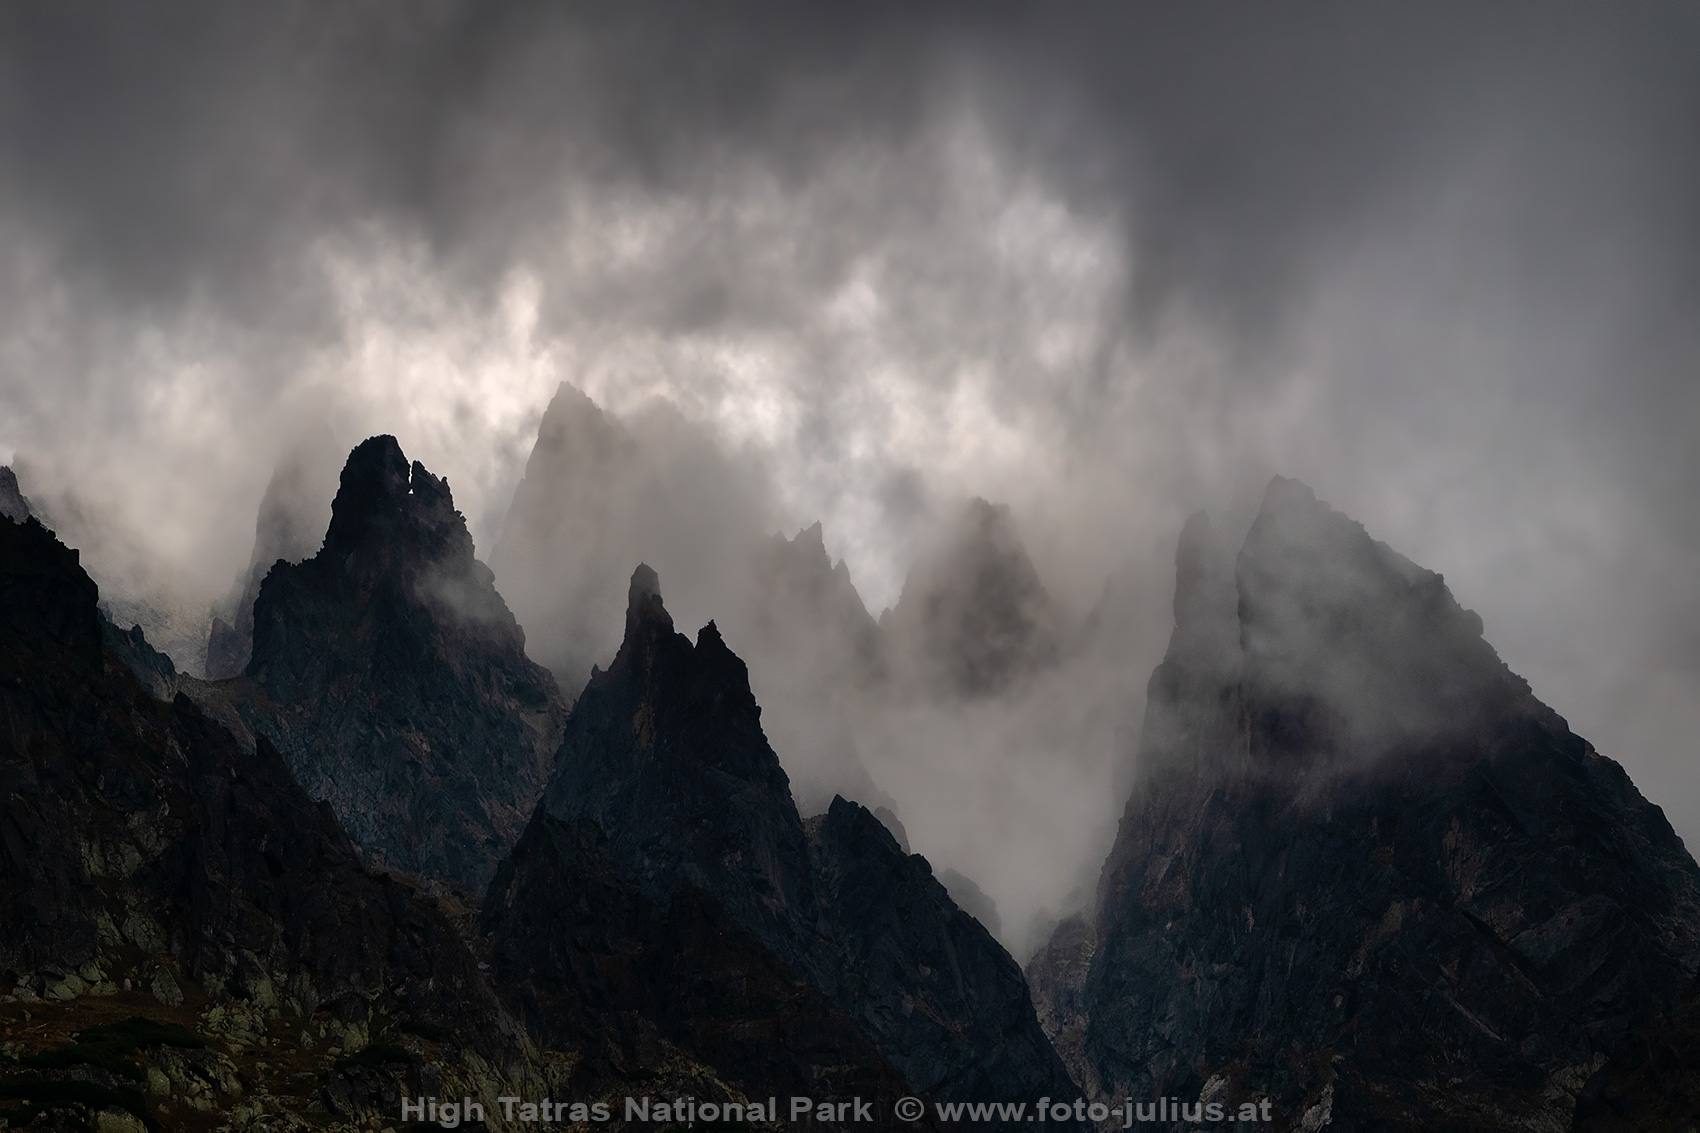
{"x": 203, "y": 925}
{"x": 668, "y": 836}
{"x": 289, "y": 526}
{"x": 13, "y": 504}
{"x": 974, "y": 618}
{"x": 393, "y": 679}
{"x": 601, "y": 493}
{"x": 151, "y": 667}
{"x": 1364, "y": 871}
{"x": 925, "y": 980}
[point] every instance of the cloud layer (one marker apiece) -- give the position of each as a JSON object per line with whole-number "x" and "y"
{"x": 1106, "y": 266}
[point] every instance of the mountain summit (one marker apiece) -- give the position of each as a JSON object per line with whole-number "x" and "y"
{"x": 668, "y": 830}
{"x": 974, "y": 618}
{"x": 1365, "y": 872}
{"x": 13, "y": 504}
{"x": 393, "y": 679}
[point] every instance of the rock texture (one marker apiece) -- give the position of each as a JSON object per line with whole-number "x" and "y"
{"x": 1056, "y": 976}
{"x": 395, "y": 682}
{"x": 205, "y": 929}
{"x": 13, "y": 505}
{"x": 668, "y": 806}
{"x": 1365, "y": 872}
{"x": 151, "y": 667}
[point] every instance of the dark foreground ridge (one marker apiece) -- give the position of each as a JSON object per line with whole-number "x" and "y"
{"x": 394, "y": 680}
{"x": 206, "y": 927}
{"x": 667, "y": 884}
{"x": 1366, "y": 873}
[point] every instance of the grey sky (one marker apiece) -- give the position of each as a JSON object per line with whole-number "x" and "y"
{"x": 1107, "y": 264}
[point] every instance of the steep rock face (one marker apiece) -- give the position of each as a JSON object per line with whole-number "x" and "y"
{"x": 591, "y": 960}
{"x": 13, "y": 505}
{"x": 665, "y": 754}
{"x": 1365, "y": 872}
{"x": 1056, "y": 977}
{"x": 974, "y": 617}
{"x": 393, "y": 679}
{"x": 150, "y": 866}
{"x": 289, "y": 526}
{"x": 668, "y": 805}
{"x": 153, "y": 668}
{"x": 945, "y": 1002}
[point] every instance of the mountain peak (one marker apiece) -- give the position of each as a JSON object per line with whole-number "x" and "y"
{"x": 1333, "y": 619}
{"x": 646, "y": 617}
{"x": 1362, "y": 810}
{"x": 13, "y": 505}
{"x": 373, "y": 489}
{"x": 975, "y": 611}
{"x": 395, "y": 678}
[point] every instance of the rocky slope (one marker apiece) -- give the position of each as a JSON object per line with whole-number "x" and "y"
{"x": 1365, "y": 872}
{"x": 669, "y": 808}
{"x": 395, "y": 682}
{"x": 13, "y": 504}
{"x": 186, "y": 938}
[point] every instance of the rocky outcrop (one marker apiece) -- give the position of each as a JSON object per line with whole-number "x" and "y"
{"x": 974, "y": 619}
{"x": 395, "y": 682}
{"x": 184, "y": 934}
{"x": 151, "y": 667}
{"x": 289, "y": 526}
{"x": 13, "y": 505}
{"x": 926, "y": 981}
{"x": 1056, "y": 977}
{"x": 1365, "y": 872}
{"x": 668, "y": 806}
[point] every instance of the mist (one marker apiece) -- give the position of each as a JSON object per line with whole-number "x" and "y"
{"x": 1104, "y": 268}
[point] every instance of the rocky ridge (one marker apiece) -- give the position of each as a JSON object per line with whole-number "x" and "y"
{"x": 1364, "y": 871}
{"x": 395, "y": 681}
{"x": 184, "y": 934}
{"x": 668, "y": 804}
{"x": 13, "y": 504}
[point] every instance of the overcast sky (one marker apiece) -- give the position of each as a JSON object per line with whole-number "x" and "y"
{"x": 1108, "y": 265}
